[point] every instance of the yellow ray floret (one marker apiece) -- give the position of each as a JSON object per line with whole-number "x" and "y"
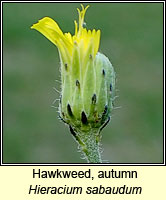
{"x": 65, "y": 41}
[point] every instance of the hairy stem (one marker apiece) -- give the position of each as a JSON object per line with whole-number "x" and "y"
{"x": 89, "y": 145}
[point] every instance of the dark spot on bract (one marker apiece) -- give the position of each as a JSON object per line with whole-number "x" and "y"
{"x": 104, "y": 115}
{"x": 104, "y": 125}
{"x": 105, "y": 109}
{"x": 69, "y": 110}
{"x": 72, "y": 131}
{"x": 103, "y": 71}
{"x": 94, "y": 99}
{"x": 77, "y": 83}
{"x": 66, "y": 66}
{"x": 110, "y": 87}
{"x": 84, "y": 118}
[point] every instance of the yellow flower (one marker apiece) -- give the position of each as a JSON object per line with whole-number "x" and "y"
{"x": 85, "y": 40}
{"x": 87, "y": 82}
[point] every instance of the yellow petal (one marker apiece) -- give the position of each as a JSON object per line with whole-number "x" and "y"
{"x": 97, "y": 41}
{"x": 76, "y": 27}
{"x": 50, "y": 29}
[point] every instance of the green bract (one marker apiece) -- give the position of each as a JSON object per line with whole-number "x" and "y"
{"x": 87, "y": 93}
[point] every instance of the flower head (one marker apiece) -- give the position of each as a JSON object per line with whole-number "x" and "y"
{"x": 88, "y": 81}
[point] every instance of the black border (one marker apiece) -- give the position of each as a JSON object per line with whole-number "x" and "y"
{"x": 82, "y": 164}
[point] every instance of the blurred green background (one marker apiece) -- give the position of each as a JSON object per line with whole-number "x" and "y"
{"x": 132, "y": 37}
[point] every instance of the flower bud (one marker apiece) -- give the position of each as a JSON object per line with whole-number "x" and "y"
{"x": 87, "y": 92}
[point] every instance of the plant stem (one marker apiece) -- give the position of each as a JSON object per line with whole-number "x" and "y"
{"x": 89, "y": 145}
